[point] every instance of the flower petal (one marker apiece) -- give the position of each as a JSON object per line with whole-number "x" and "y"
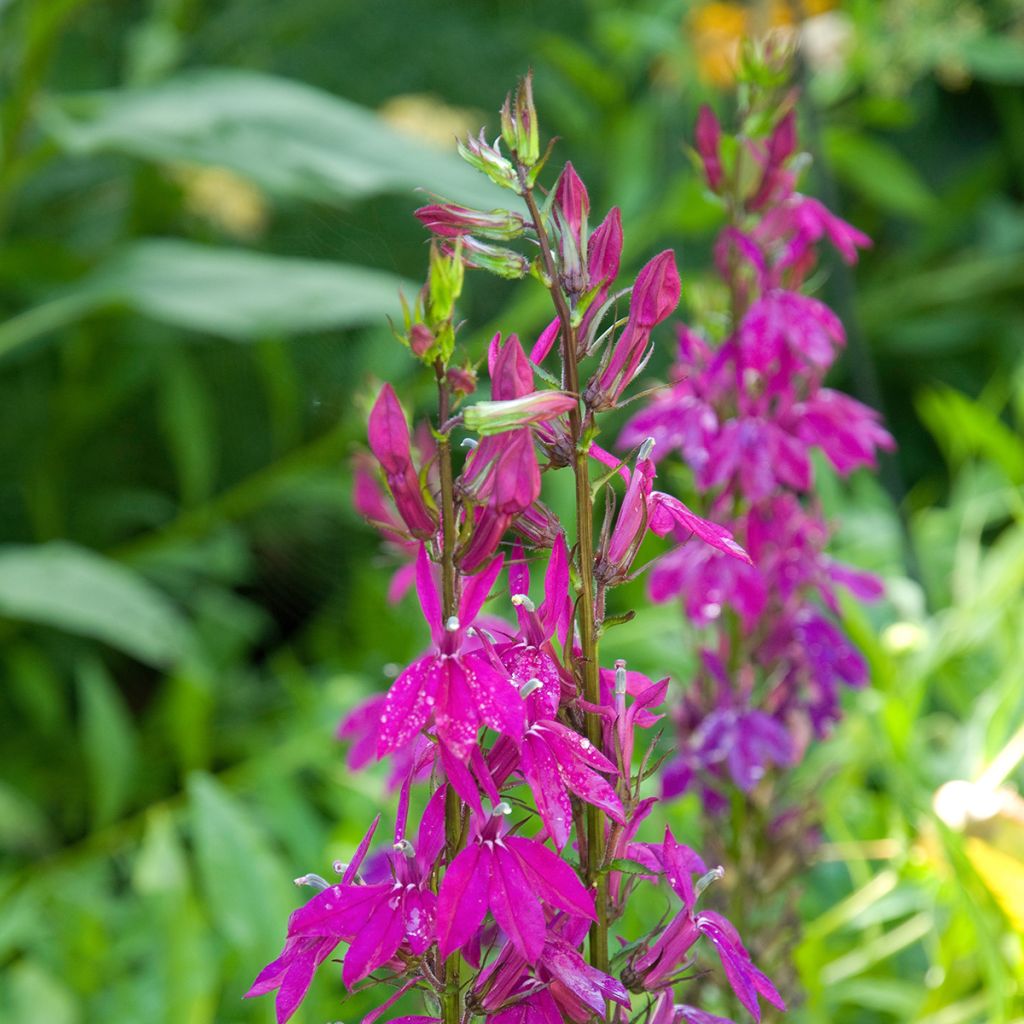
{"x": 552, "y": 878}
{"x": 514, "y": 905}
{"x": 462, "y": 899}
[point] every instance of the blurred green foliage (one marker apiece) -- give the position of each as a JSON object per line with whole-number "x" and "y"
{"x": 204, "y": 221}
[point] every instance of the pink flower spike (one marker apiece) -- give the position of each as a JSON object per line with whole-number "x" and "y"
{"x": 708, "y": 137}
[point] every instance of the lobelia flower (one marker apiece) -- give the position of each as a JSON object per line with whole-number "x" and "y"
{"x": 653, "y": 966}
{"x": 560, "y": 985}
{"x": 510, "y": 876}
{"x": 374, "y": 919}
{"x": 458, "y": 690}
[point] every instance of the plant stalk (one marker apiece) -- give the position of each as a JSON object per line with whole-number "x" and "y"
{"x": 450, "y": 970}
{"x": 585, "y": 617}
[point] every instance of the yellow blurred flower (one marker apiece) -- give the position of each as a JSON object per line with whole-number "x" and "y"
{"x": 718, "y": 29}
{"x": 223, "y": 198}
{"x": 427, "y": 118}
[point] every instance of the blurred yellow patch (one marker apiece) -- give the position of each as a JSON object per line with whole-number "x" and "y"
{"x": 224, "y": 199}
{"x": 427, "y": 118}
{"x": 719, "y": 28}
{"x": 1003, "y": 874}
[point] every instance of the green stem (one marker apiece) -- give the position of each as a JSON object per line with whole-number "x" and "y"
{"x": 451, "y": 969}
{"x": 585, "y": 617}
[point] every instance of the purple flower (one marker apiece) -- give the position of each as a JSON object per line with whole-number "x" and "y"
{"x": 459, "y": 690}
{"x": 654, "y": 966}
{"x": 510, "y": 876}
{"x": 375, "y": 919}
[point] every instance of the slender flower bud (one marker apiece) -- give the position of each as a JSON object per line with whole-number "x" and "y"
{"x": 389, "y": 442}
{"x": 708, "y": 138}
{"x": 571, "y": 209}
{"x": 519, "y": 129}
{"x": 488, "y": 418}
{"x": 604, "y": 250}
{"x": 655, "y": 295}
{"x": 451, "y": 220}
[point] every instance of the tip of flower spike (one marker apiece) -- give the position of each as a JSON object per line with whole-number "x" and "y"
{"x": 645, "y": 450}
{"x": 315, "y": 881}
{"x": 714, "y": 875}
{"x": 452, "y": 625}
{"x": 523, "y": 601}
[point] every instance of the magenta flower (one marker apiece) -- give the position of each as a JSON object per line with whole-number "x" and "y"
{"x": 375, "y": 919}
{"x": 655, "y": 296}
{"x": 510, "y": 876}
{"x": 654, "y": 966}
{"x": 560, "y": 986}
{"x": 458, "y": 690}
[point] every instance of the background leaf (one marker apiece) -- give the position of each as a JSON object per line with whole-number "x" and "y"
{"x": 81, "y": 592}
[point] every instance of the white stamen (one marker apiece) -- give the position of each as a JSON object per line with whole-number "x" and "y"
{"x": 530, "y": 686}
{"x": 406, "y": 848}
{"x": 315, "y": 881}
{"x": 645, "y": 449}
{"x": 452, "y": 625}
{"x": 620, "y": 678}
{"x": 468, "y": 442}
{"x": 502, "y": 808}
{"x": 523, "y": 601}
{"x": 705, "y": 880}
{"x": 340, "y": 867}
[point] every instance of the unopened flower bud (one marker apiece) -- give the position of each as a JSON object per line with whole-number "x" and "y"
{"x": 498, "y": 417}
{"x": 462, "y": 380}
{"x": 505, "y": 263}
{"x": 451, "y": 220}
{"x": 519, "y": 129}
{"x": 421, "y": 337}
{"x": 708, "y": 137}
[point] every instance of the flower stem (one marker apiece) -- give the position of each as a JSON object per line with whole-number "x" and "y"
{"x": 451, "y": 968}
{"x": 585, "y": 555}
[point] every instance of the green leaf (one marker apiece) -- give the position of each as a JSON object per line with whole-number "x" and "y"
{"x": 240, "y": 294}
{"x": 108, "y": 740}
{"x": 78, "y": 591}
{"x": 234, "y": 293}
{"x": 879, "y": 173}
{"x": 287, "y": 138}
{"x": 244, "y": 882}
{"x": 187, "y": 423}
{"x": 995, "y": 58}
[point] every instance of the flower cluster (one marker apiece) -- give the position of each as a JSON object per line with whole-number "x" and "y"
{"x": 528, "y": 846}
{"x": 745, "y": 415}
